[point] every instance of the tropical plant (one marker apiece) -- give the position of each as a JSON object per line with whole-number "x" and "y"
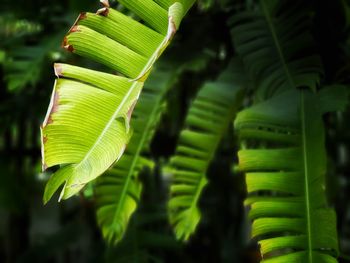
{"x": 283, "y": 134}
{"x": 86, "y": 144}
{"x": 285, "y": 160}
{"x": 276, "y": 73}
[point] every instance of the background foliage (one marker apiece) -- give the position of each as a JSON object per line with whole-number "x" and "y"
{"x": 31, "y": 32}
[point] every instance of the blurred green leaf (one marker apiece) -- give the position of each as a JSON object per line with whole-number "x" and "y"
{"x": 2, "y": 56}
{"x": 23, "y": 65}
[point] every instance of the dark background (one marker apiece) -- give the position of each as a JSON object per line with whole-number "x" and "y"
{"x": 30, "y": 37}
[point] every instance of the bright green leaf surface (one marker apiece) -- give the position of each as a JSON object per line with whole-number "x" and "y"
{"x": 86, "y": 128}
{"x": 292, "y": 213}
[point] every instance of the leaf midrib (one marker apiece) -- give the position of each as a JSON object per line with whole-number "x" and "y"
{"x": 203, "y": 180}
{"x": 306, "y": 176}
{"x": 303, "y": 127}
{"x": 110, "y": 122}
{"x": 277, "y": 44}
{"x": 152, "y": 59}
{"x": 136, "y": 156}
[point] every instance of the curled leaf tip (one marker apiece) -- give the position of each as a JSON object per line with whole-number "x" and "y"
{"x": 121, "y": 153}
{"x": 43, "y": 141}
{"x": 131, "y": 109}
{"x": 74, "y": 29}
{"x": 58, "y": 70}
{"x": 61, "y": 197}
{"x": 172, "y": 27}
{"x": 81, "y": 16}
{"x": 66, "y": 45}
{"x": 69, "y": 48}
{"x": 53, "y": 107}
{"x": 103, "y": 11}
{"x": 105, "y": 3}
{"x": 43, "y": 164}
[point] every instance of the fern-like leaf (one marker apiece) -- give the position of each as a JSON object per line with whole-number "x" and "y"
{"x": 276, "y": 46}
{"x": 86, "y": 128}
{"x": 285, "y": 164}
{"x": 205, "y": 125}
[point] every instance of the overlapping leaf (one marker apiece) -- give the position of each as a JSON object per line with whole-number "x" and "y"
{"x": 283, "y": 151}
{"x": 87, "y": 124}
{"x": 276, "y": 46}
{"x": 205, "y": 125}
{"x": 118, "y": 191}
{"x": 285, "y": 178}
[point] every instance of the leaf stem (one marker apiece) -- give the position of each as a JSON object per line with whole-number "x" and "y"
{"x": 306, "y": 175}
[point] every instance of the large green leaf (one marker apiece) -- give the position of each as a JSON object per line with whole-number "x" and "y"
{"x": 206, "y": 123}
{"x": 118, "y": 191}
{"x": 283, "y": 151}
{"x": 276, "y": 46}
{"x": 285, "y": 165}
{"x": 86, "y": 128}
